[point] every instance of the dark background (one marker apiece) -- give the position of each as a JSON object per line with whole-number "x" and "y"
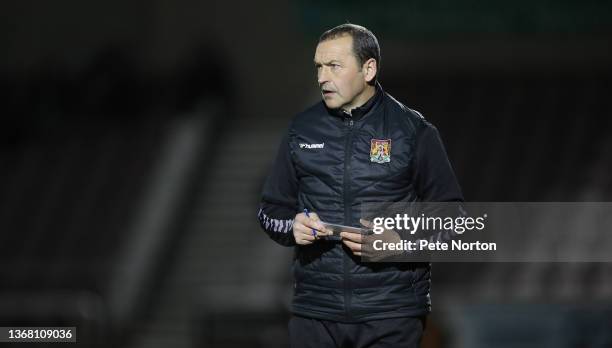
{"x": 135, "y": 137}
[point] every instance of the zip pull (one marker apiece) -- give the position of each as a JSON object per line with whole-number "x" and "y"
{"x": 350, "y": 123}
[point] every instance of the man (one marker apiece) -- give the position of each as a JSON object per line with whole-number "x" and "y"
{"x": 359, "y": 145}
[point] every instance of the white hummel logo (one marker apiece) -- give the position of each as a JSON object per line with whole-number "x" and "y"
{"x": 312, "y": 146}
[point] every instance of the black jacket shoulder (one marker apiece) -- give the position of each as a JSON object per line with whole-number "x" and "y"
{"x": 315, "y": 112}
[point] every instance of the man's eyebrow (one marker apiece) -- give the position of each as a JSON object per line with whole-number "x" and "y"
{"x": 326, "y": 63}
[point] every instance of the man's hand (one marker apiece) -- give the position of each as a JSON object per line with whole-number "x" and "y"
{"x": 302, "y": 228}
{"x": 356, "y": 241}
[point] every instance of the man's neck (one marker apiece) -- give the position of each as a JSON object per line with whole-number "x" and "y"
{"x": 363, "y": 98}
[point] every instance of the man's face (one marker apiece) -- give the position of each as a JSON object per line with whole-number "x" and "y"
{"x": 341, "y": 79}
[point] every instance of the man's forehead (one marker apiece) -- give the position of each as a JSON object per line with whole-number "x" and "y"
{"x": 334, "y": 49}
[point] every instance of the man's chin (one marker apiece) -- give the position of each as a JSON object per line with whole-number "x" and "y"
{"x": 330, "y": 104}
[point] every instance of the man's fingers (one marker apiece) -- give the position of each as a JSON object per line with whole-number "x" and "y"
{"x": 303, "y": 238}
{"x": 315, "y": 225}
{"x": 304, "y": 232}
{"x": 312, "y": 222}
{"x": 303, "y": 242}
{"x": 303, "y": 229}
{"x": 307, "y": 236}
{"x": 355, "y": 237}
{"x": 320, "y": 229}
{"x": 355, "y": 247}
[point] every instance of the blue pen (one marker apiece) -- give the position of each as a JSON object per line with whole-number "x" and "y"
{"x": 314, "y": 232}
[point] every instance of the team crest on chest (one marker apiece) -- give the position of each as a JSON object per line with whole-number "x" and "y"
{"x": 380, "y": 150}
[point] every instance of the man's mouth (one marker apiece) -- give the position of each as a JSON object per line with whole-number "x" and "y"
{"x": 326, "y": 92}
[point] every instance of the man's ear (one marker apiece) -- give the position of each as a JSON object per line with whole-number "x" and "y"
{"x": 370, "y": 68}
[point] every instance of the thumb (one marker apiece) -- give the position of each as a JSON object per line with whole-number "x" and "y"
{"x": 365, "y": 223}
{"x": 317, "y": 223}
{"x": 314, "y": 216}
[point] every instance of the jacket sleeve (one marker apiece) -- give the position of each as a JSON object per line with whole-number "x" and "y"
{"x": 435, "y": 178}
{"x": 279, "y": 198}
{"x": 436, "y": 181}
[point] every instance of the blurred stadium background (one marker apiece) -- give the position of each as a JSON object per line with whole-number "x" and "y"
{"x": 136, "y": 135}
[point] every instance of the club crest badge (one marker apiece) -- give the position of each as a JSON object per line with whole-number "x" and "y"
{"x": 380, "y": 150}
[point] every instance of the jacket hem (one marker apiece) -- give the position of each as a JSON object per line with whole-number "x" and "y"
{"x": 342, "y": 318}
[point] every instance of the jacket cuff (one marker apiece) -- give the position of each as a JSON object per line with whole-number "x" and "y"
{"x": 279, "y": 230}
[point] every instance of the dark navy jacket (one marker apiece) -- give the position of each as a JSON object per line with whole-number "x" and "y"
{"x": 327, "y": 164}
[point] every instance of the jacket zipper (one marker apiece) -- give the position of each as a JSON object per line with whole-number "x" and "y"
{"x": 347, "y": 214}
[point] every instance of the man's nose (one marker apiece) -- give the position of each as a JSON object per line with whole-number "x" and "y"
{"x": 322, "y": 76}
